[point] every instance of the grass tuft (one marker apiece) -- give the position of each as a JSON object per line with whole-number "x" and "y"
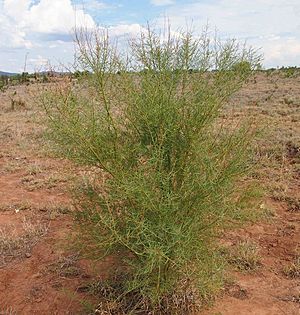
{"x": 244, "y": 256}
{"x": 14, "y": 245}
{"x": 293, "y": 270}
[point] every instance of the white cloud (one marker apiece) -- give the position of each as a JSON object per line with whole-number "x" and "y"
{"x": 25, "y": 25}
{"x": 281, "y": 52}
{"x": 16, "y": 9}
{"x": 55, "y": 16}
{"x": 11, "y": 36}
{"x": 43, "y": 27}
{"x": 262, "y": 23}
{"x": 247, "y": 18}
{"x": 125, "y": 29}
{"x": 21, "y": 19}
{"x": 38, "y": 62}
{"x": 162, "y": 2}
{"x": 94, "y": 5}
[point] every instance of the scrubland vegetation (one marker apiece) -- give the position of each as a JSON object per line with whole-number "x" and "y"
{"x": 149, "y": 121}
{"x": 169, "y": 169}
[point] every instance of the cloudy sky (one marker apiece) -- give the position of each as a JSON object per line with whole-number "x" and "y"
{"x": 41, "y": 29}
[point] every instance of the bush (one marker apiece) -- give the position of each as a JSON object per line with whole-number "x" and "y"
{"x": 149, "y": 121}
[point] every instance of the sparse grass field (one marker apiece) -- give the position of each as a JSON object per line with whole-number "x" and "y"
{"x": 41, "y": 274}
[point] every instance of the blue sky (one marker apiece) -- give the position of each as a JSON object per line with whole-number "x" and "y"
{"x": 41, "y": 29}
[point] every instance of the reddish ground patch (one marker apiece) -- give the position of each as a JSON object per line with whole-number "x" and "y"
{"x": 25, "y": 286}
{"x": 266, "y": 291}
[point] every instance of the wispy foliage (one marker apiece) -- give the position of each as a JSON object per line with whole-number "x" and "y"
{"x": 148, "y": 120}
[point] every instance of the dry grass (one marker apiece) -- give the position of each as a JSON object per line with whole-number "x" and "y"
{"x": 34, "y": 169}
{"x": 16, "y": 207}
{"x": 293, "y": 203}
{"x": 113, "y": 301}
{"x": 244, "y": 256}
{"x": 14, "y": 245}
{"x": 55, "y": 210}
{"x": 51, "y": 209}
{"x": 66, "y": 266}
{"x": 292, "y": 270}
{"x": 47, "y": 181}
{"x": 291, "y": 298}
{"x": 13, "y": 166}
{"x": 7, "y": 311}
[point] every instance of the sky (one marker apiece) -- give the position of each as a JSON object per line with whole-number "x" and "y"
{"x": 40, "y": 31}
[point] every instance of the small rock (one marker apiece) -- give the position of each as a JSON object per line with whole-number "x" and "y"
{"x": 27, "y": 255}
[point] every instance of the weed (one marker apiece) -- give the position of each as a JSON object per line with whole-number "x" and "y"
{"x": 286, "y": 230}
{"x": 8, "y": 311}
{"x": 291, "y": 298}
{"x": 21, "y": 206}
{"x": 293, "y": 270}
{"x": 34, "y": 169}
{"x": 49, "y": 181}
{"x": 293, "y": 150}
{"x": 290, "y": 72}
{"x": 55, "y": 211}
{"x": 13, "y": 245}
{"x": 13, "y": 166}
{"x": 236, "y": 291}
{"x": 181, "y": 300}
{"x": 66, "y": 266}
{"x": 244, "y": 256}
{"x": 288, "y": 101}
{"x": 248, "y": 198}
{"x": 293, "y": 203}
{"x": 17, "y": 103}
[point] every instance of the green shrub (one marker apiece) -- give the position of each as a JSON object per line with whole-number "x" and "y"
{"x": 149, "y": 121}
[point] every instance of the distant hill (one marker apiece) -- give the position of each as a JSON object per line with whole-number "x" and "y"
{"x": 7, "y": 74}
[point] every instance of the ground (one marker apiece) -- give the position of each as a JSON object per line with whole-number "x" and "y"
{"x": 41, "y": 274}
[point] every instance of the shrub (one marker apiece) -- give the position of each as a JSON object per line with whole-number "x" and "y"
{"x": 149, "y": 121}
